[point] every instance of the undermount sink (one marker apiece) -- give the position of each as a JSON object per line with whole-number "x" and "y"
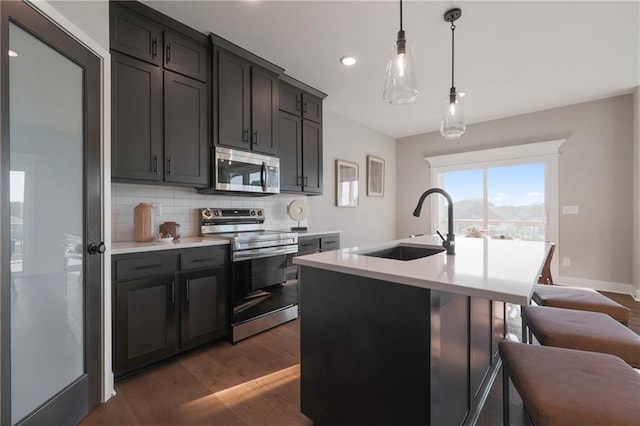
{"x": 401, "y": 252}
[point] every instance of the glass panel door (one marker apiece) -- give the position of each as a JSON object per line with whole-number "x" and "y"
{"x": 47, "y": 236}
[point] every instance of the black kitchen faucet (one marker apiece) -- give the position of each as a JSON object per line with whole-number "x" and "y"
{"x": 449, "y": 243}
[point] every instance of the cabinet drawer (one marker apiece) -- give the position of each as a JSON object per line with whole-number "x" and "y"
{"x": 145, "y": 266}
{"x": 331, "y": 242}
{"x": 308, "y": 246}
{"x": 203, "y": 257}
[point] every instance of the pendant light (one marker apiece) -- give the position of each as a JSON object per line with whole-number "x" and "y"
{"x": 400, "y": 87}
{"x": 452, "y": 126}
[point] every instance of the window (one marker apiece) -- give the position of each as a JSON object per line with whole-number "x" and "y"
{"x": 507, "y": 192}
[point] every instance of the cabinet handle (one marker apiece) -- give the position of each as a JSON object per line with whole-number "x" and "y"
{"x": 305, "y": 108}
{"x": 206, "y": 259}
{"x": 306, "y": 181}
{"x": 154, "y": 167}
{"x": 168, "y": 166}
{"x": 188, "y": 289}
{"x": 168, "y": 53}
{"x": 245, "y": 136}
{"x": 140, "y": 268}
{"x": 173, "y": 292}
{"x": 298, "y": 180}
{"x": 255, "y": 137}
{"x": 154, "y": 47}
{"x": 298, "y": 104}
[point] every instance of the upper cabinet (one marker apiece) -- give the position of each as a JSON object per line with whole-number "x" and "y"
{"x": 246, "y": 103}
{"x": 297, "y": 101}
{"x": 160, "y": 102}
{"x": 300, "y": 138}
{"x": 142, "y": 38}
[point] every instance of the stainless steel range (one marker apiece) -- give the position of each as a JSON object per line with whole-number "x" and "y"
{"x": 262, "y": 296}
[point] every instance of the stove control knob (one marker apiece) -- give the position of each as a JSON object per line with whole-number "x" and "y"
{"x": 259, "y": 212}
{"x": 253, "y": 213}
{"x": 206, "y": 213}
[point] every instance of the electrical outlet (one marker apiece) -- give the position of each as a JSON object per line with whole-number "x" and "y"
{"x": 158, "y": 208}
{"x": 569, "y": 209}
{"x": 566, "y": 262}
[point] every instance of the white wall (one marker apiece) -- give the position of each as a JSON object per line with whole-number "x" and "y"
{"x": 595, "y": 174}
{"x": 374, "y": 219}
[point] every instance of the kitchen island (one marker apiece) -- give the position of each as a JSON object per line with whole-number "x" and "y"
{"x": 389, "y": 341}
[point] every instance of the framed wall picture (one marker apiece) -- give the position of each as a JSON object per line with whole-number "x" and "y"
{"x": 346, "y": 184}
{"x": 375, "y": 176}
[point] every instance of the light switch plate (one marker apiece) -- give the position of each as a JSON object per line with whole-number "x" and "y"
{"x": 569, "y": 209}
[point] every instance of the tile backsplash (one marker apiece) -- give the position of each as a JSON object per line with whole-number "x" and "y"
{"x": 181, "y": 205}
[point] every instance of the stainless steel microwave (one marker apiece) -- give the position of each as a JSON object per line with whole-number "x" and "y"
{"x": 245, "y": 172}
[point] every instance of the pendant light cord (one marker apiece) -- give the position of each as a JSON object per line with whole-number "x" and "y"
{"x": 453, "y": 29}
{"x": 400, "y": 15}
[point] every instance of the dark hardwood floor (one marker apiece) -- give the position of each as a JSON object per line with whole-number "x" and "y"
{"x": 255, "y": 382}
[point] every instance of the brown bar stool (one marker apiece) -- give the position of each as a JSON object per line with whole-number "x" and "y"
{"x": 567, "y": 387}
{"x": 546, "y": 293}
{"x": 588, "y": 331}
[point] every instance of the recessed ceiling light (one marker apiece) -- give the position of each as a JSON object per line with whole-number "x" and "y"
{"x": 348, "y": 60}
{"x": 13, "y": 53}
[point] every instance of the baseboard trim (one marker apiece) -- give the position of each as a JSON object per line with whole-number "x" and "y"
{"x": 600, "y": 285}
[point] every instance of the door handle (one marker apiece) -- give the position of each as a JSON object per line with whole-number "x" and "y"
{"x": 304, "y": 111}
{"x": 245, "y": 136}
{"x": 154, "y": 168}
{"x": 188, "y": 288}
{"x": 96, "y": 248}
{"x": 173, "y": 292}
{"x": 168, "y": 53}
{"x": 263, "y": 176}
{"x": 255, "y": 137}
{"x": 298, "y": 104}
{"x": 168, "y": 166}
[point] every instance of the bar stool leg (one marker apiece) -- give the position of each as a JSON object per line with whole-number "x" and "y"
{"x": 505, "y": 395}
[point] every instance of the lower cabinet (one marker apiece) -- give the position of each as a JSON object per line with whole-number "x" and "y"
{"x": 167, "y": 302}
{"x": 203, "y": 303}
{"x": 145, "y": 322}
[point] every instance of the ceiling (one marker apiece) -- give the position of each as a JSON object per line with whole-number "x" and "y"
{"x": 512, "y": 57}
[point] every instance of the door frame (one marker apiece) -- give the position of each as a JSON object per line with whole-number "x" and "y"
{"x": 99, "y": 362}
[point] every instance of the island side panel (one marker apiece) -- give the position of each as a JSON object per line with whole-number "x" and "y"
{"x": 365, "y": 350}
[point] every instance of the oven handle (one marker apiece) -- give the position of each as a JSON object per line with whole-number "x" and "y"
{"x": 239, "y": 256}
{"x": 263, "y": 176}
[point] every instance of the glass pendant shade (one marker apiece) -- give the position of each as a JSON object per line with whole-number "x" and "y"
{"x": 400, "y": 87}
{"x": 452, "y": 119}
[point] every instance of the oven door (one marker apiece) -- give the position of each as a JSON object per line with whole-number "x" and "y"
{"x": 240, "y": 171}
{"x": 260, "y": 287}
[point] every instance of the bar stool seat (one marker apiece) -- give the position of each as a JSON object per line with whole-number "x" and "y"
{"x": 566, "y": 387}
{"x": 584, "y": 299}
{"x": 589, "y": 331}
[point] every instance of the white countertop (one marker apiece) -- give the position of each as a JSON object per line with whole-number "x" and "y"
{"x": 502, "y": 270}
{"x": 124, "y": 247}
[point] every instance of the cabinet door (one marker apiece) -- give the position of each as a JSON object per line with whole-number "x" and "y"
{"x": 185, "y": 130}
{"x": 185, "y": 56}
{"x": 203, "y": 306}
{"x": 136, "y": 119}
{"x": 264, "y": 111}
{"x": 290, "y": 99}
{"x": 145, "y": 323}
{"x": 290, "y": 147}
{"x": 134, "y": 35}
{"x": 312, "y": 108}
{"x": 233, "y": 100}
{"x": 312, "y": 157}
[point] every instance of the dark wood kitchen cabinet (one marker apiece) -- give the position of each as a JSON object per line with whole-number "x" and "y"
{"x": 143, "y": 38}
{"x": 300, "y": 141}
{"x": 160, "y": 101}
{"x": 144, "y": 310}
{"x": 247, "y": 104}
{"x": 167, "y": 302}
{"x": 203, "y": 296}
{"x": 185, "y": 130}
{"x": 136, "y": 119}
